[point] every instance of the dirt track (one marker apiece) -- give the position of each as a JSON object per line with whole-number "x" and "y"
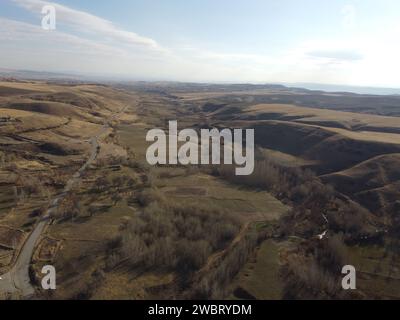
{"x": 17, "y": 280}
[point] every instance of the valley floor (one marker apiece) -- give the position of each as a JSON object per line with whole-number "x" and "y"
{"x": 126, "y": 230}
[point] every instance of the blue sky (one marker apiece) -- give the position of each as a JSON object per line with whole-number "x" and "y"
{"x": 353, "y": 42}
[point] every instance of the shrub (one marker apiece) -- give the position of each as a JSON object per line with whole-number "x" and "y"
{"x": 148, "y": 196}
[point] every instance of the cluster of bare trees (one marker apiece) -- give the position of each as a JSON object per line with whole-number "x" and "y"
{"x": 32, "y": 186}
{"x": 316, "y": 208}
{"x": 102, "y": 184}
{"x": 28, "y": 186}
{"x": 172, "y": 237}
{"x": 313, "y": 202}
{"x": 87, "y": 290}
{"x": 215, "y": 283}
{"x": 68, "y": 209}
{"x": 286, "y": 182}
{"x": 314, "y": 271}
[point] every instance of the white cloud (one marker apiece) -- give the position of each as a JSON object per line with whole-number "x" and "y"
{"x": 26, "y": 35}
{"x": 336, "y": 55}
{"x": 27, "y": 46}
{"x": 96, "y": 45}
{"x": 87, "y": 23}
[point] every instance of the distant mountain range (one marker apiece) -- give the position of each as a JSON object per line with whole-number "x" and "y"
{"x": 55, "y": 76}
{"x": 343, "y": 88}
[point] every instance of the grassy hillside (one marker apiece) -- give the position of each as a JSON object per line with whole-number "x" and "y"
{"x": 324, "y": 192}
{"x": 44, "y": 137}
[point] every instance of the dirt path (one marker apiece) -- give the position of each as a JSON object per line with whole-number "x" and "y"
{"x": 17, "y": 280}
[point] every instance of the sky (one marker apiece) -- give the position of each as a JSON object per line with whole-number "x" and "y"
{"x": 346, "y": 42}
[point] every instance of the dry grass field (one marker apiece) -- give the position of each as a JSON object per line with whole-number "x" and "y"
{"x": 355, "y": 152}
{"x": 128, "y": 231}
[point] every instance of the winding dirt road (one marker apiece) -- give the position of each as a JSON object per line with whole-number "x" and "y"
{"x": 17, "y": 280}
